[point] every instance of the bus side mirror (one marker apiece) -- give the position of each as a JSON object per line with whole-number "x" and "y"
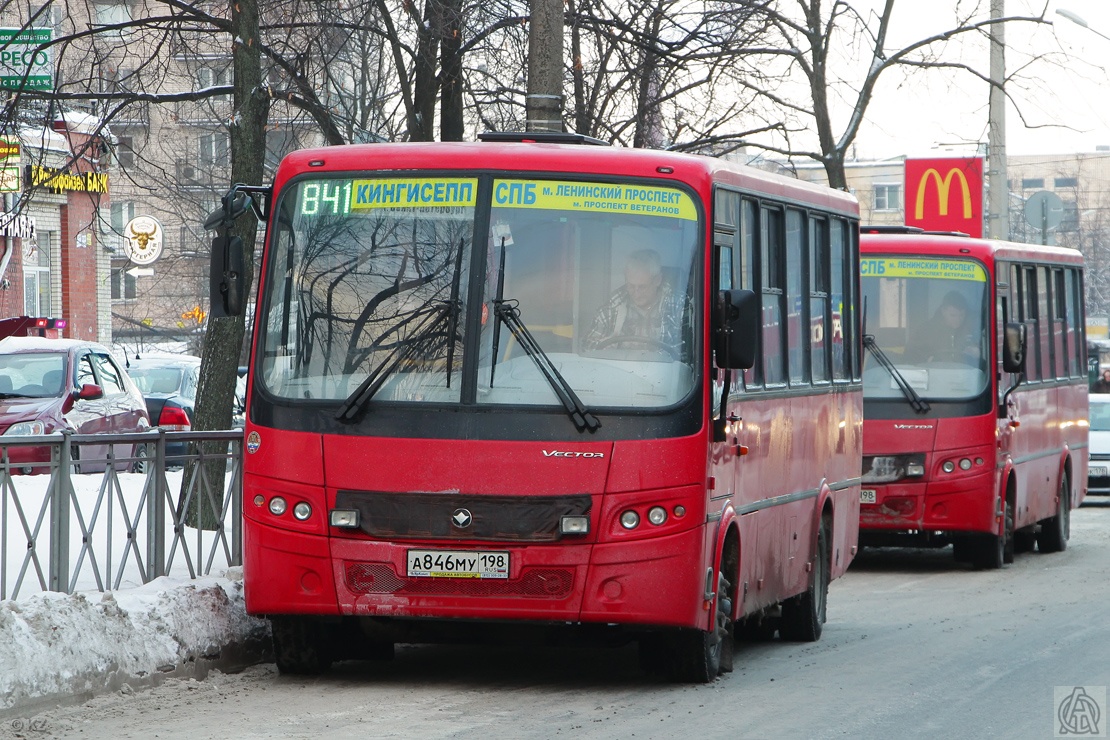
{"x": 226, "y": 278}
{"x": 736, "y": 329}
{"x": 1013, "y": 348}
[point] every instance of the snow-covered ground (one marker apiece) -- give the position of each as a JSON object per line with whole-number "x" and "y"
{"x": 57, "y": 647}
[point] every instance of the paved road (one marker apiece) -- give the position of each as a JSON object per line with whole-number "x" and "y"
{"x": 916, "y": 646}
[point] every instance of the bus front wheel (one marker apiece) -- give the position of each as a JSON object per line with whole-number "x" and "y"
{"x": 1055, "y": 531}
{"x": 698, "y": 656}
{"x": 301, "y": 645}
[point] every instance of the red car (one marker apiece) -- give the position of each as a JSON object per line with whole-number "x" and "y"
{"x": 50, "y": 385}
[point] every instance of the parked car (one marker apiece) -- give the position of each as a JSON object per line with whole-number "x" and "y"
{"x": 169, "y": 386}
{"x": 51, "y": 385}
{"x": 1098, "y": 470}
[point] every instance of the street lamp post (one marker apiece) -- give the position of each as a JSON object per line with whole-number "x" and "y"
{"x": 1080, "y": 21}
{"x": 998, "y": 210}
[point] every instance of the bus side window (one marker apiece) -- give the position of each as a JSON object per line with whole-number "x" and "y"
{"x": 771, "y": 252}
{"x": 1076, "y": 343}
{"x": 819, "y": 298}
{"x": 839, "y": 293}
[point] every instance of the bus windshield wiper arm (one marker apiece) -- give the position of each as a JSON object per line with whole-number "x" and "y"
{"x": 355, "y": 402}
{"x": 919, "y": 404}
{"x": 508, "y": 313}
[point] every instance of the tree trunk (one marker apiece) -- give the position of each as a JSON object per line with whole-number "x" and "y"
{"x": 426, "y": 85}
{"x": 223, "y": 340}
{"x": 451, "y": 66}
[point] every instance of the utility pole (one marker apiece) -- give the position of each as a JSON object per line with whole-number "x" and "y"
{"x": 998, "y": 199}
{"x": 544, "y": 96}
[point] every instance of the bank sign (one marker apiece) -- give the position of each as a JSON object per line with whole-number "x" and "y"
{"x": 945, "y": 194}
{"x": 24, "y": 65}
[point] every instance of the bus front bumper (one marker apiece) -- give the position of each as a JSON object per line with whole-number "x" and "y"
{"x": 966, "y": 505}
{"x": 653, "y": 581}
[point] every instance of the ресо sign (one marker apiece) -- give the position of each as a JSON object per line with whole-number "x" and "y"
{"x": 24, "y": 64}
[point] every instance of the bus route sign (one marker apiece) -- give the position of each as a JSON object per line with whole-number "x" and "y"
{"x": 23, "y": 64}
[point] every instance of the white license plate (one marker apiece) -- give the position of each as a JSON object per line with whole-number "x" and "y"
{"x": 867, "y": 496}
{"x": 1099, "y": 471}
{"x": 457, "y": 564}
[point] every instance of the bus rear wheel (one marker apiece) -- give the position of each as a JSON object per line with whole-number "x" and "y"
{"x": 1056, "y": 530}
{"x": 698, "y": 656}
{"x": 301, "y": 645}
{"x": 803, "y": 617}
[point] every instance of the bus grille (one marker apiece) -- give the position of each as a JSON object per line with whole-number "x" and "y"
{"x": 495, "y": 518}
{"x": 379, "y": 578}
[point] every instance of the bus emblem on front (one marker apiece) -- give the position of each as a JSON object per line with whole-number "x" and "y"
{"x": 461, "y": 518}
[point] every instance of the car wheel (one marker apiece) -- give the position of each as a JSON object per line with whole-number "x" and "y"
{"x": 142, "y": 463}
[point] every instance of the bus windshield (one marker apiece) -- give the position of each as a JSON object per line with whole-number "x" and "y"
{"x": 929, "y": 316}
{"x": 371, "y": 292}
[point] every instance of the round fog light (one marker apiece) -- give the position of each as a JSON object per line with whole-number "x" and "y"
{"x": 948, "y": 466}
{"x": 657, "y": 515}
{"x": 965, "y": 464}
{"x": 630, "y": 519}
{"x": 302, "y": 511}
{"x": 277, "y": 506}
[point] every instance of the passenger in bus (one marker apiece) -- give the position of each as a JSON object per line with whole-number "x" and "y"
{"x": 642, "y": 312}
{"x": 1102, "y": 385}
{"x": 948, "y": 336}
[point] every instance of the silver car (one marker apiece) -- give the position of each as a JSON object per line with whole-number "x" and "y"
{"x": 1098, "y": 471}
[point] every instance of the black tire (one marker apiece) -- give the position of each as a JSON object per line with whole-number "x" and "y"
{"x": 989, "y": 550}
{"x": 142, "y": 461}
{"x": 1056, "y": 530}
{"x": 698, "y": 656}
{"x": 301, "y": 645}
{"x": 803, "y": 616}
{"x": 755, "y": 630}
{"x": 1024, "y": 541}
{"x": 963, "y": 549}
{"x": 1009, "y": 545}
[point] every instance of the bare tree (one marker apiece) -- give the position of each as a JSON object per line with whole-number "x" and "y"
{"x": 662, "y": 73}
{"x": 806, "y": 35}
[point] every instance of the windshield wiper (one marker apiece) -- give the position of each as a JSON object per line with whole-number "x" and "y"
{"x": 919, "y": 404}
{"x": 508, "y": 313}
{"x": 425, "y": 332}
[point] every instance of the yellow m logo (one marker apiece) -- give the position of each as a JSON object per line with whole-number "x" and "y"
{"x": 943, "y": 186}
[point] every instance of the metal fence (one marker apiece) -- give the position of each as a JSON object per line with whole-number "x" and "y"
{"x": 103, "y": 512}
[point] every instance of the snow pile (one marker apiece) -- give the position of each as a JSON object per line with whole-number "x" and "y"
{"x": 54, "y": 646}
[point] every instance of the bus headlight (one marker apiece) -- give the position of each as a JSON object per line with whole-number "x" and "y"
{"x": 302, "y": 511}
{"x": 346, "y": 518}
{"x": 891, "y": 468}
{"x": 277, "y": 506}
{"x": 948, "y": 466}
{"x": 657, "y": 515}
{"x": 574, "y": 524}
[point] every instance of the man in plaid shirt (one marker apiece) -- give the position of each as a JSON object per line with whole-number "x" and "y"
{"x": 644, "y": 306}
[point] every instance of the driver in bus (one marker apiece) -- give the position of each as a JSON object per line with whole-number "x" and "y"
{"x": 641, "y": 313}
{"x": 948, "y": 337}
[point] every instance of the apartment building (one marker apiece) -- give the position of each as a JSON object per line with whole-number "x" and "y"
{"x": 169, "y": 161}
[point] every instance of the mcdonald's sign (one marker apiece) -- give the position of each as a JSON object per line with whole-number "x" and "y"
{"x": 945, "y": 194}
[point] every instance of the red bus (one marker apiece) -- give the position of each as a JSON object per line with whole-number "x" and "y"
{"x": 516, "y": 381}
{"x": 975, "y": 394}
